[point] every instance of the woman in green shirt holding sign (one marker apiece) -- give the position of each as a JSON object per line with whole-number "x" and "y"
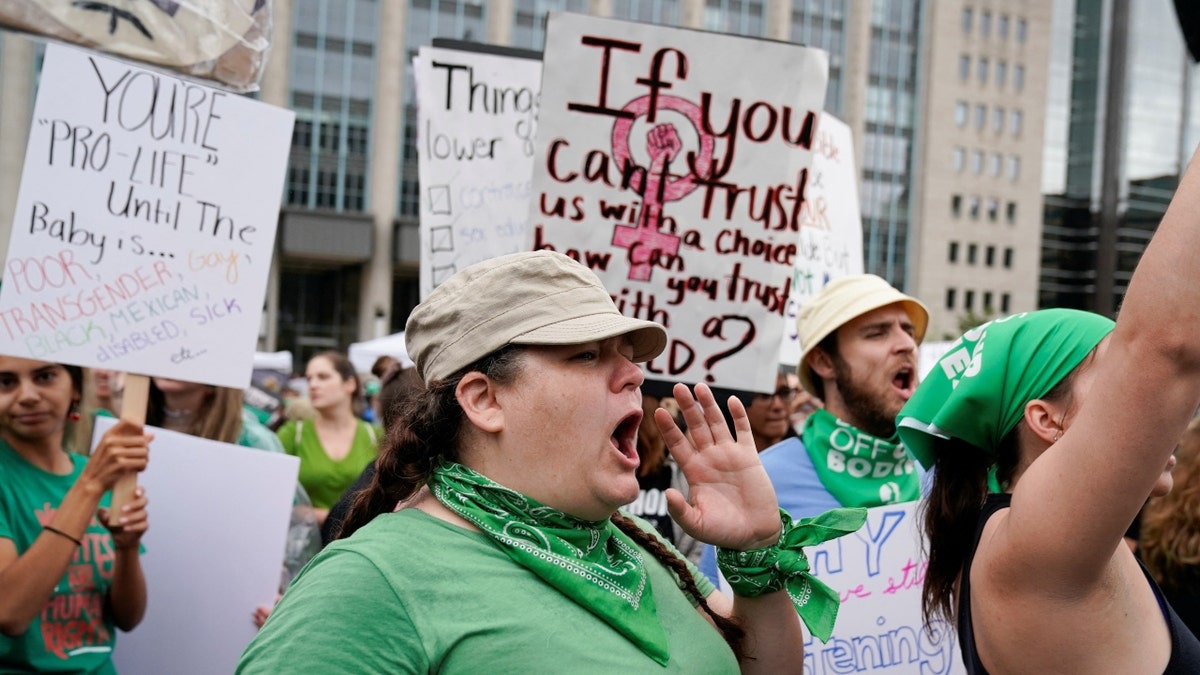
{"x": 67, "y": 579}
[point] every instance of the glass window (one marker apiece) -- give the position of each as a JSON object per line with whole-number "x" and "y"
{"x": 980, "y": 116}
{"x": 989, "y": 259}
{"x": 1022, "y": 29}
{"x": 1008, "y": 260}
{"x": 950, "y": 293}
{"x": 964, "y": 67}
{"x": 972, "y": 253}
{"x": 993, "y": 212}
{"x": 985, "y": 23}
{"x": 998, "y": 119}
{"x": 974, "y": 207}
{"x": 1011, "y": 212}
{"x": 977, "y": 161}
{"x": 969, "y": 301}
{"x": 1014, "y": 167}
{"x": 987, "y": 301}
{"x": 956, "y": 204}
{"x": 960, "y": 157}
{"x": 1002, "y": 27}
{"x": 952, "y": 254}
{"x": 1001, "y": 73}
{"x": 1019, "y": 77}
{"x": 1004, "y": 302}
{"x": 961, "y": 110}
{"x": 994, "y": 164}
{"x": 983, "y": 70}
{"x": 967, "y": 15}
{"x": 1016, "y": 121}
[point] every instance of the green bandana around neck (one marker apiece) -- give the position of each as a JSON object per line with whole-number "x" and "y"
{"x": 978, "y": 390}
{"x": 857, "y": 468}
{"x": 593, "y": 563}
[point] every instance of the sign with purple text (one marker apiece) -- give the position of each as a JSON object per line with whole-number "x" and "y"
{"x": 878, "y": 572}
{"x": 476, "y": 120}
{"x": 830, "y": 226}
{"x": 675, "y": 164}
{"x": 145, "y": 223}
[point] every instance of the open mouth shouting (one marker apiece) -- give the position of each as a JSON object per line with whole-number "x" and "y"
{"x": 904, "y": 381}
{"x": 624, "y": 438}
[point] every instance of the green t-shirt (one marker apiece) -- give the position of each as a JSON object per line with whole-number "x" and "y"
{"x": 73, "y": 633}
{"x": 323, "y": 478}
{"x": 409, "y": 593}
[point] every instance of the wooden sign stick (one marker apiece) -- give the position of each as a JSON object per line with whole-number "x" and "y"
{"x": 133, "y": 409}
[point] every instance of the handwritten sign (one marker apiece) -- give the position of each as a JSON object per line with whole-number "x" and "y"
{"x": 830, "y": 244}
{"x": 476, "y": 120}
{"x": 206, "y": 568}
{"x": 675, "y": 164}
{"x": 145, "y": 223}
{"x": 878, "y": 571}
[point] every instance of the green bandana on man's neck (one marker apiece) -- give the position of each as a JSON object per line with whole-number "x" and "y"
{"x": 594, "y": 564}
{"x": 857, "y": 468}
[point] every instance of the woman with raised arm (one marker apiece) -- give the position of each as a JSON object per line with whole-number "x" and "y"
{"x": 1076, "y": 420}
{"x": 490, "y": 538}
{"x": 68, "y": 579}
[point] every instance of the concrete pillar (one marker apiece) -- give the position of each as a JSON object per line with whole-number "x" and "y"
{"x": 779, "y": 20}
{"x": 16, "y": 91}
{"x": 375, "y": 310}
{"x": 499, "y": 17}
{"x": 276, "y": 83}
{"x": 691, "y": 14}
{"x": 855, "y": 73}
{"x": 600, "y": 7}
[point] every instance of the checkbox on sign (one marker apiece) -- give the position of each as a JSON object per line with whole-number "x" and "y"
{"x": 441, "y": 238}
{"x": 442, "y": 273}
{"x": 439, "y": 200}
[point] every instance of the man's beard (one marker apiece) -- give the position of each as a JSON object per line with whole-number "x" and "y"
{"x": 868, "y": 412}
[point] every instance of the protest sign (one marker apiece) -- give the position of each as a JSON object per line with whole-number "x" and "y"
{"x": 208, "y": 562}
{"x": 878, "y": 572}
{"x": 476, "y": 119}
{"x": 145, "y": 223}
{"x": 830, "y": 244}
{"x": 674, "y": 163}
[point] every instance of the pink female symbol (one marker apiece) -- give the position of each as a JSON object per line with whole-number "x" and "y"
{"x": 645, "y": 241}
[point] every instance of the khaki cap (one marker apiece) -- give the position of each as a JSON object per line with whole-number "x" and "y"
{"x": 840, "y": 302}
{"x": 532, "y": 298}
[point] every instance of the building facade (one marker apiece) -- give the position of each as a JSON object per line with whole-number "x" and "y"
{"x": 1123, "y": 124}
{"x": 346, "y": 258}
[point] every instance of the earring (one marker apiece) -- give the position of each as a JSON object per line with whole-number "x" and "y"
{"x": 73, "y": 416}
{"x": 1057, "y": 436}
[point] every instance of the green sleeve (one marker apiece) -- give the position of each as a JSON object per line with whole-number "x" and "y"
{"x": 287, "y": 436}
{"x": 341, "y": 613}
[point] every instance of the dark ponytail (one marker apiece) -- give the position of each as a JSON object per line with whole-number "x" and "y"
{"x": 425, "y": 432}
{"x": 730, "y": 630}
{"x": 951, "y": 510}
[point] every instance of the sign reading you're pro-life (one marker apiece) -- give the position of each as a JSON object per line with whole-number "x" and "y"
{"x": 674, "y": 163}
{"x": 145, "y": 222}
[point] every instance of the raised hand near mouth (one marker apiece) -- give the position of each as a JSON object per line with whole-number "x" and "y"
{"x": 733, "y": 504}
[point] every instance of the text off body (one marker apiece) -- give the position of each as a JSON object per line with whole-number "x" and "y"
{"x": 674, "y": 163}
{"x": 145, "y": 222}
{"x": 476, "y": 121}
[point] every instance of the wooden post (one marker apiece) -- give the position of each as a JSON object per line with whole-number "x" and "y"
{"x": 133, "y": 409}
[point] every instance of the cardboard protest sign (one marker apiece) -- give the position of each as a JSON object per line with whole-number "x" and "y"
{"x": 145, "y": 223}
{"x": 476, "y": 119}
{"x": 830, "y": 243}
{"x": 675, "y": 164}
{"x": 208, "y": 562}
{"x": 878, "y": 571}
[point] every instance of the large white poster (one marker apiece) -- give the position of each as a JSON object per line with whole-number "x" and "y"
{"x": 145, "y": 222}
{"x": 219, "y": 517}
{"x": 830, "y": 225}
{"x": 476, "y": 120}
{"x": 675, "y": 164}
